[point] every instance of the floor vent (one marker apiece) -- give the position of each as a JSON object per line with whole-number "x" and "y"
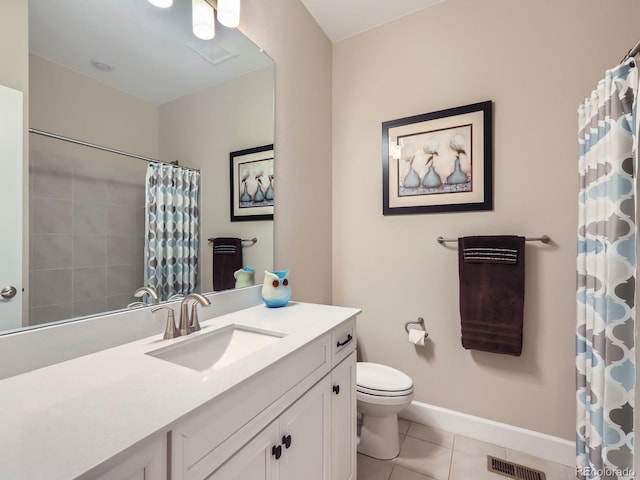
{"x": 513, "y": 470}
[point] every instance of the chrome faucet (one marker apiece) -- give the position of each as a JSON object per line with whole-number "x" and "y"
{"x": 170, "y": 330}
{"x": 149, "y": 291}
{"x": 188, "y": 325}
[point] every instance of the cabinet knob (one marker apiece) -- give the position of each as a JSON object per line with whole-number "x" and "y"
{"x": 336, "y": 389}
{"x": 276, "y": 451}
{"x": 286, "y": 441}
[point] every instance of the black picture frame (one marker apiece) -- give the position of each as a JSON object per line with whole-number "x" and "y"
{"x": 250, "y": 176}
{"x": 437, "y": 183}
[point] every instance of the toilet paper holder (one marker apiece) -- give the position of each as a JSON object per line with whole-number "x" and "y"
{"x": 420, "y": 322}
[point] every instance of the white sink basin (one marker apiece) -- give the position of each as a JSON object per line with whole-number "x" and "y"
{"x": 217, "y": 349}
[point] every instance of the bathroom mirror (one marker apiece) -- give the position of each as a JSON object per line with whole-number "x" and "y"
{"x": 130, "y": 77}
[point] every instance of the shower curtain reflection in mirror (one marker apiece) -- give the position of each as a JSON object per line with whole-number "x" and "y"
{"x": 172, "y": 229}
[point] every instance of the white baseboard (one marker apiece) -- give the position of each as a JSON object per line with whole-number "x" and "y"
{"x": 537, "y": 444}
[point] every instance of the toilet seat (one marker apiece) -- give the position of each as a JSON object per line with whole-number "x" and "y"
{"x": 383, "y": 393}
{"x": 382, "y": 381}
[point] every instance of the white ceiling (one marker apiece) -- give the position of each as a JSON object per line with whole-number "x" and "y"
{"x": 154, "y": 54}
{"x": 344, "y": 18}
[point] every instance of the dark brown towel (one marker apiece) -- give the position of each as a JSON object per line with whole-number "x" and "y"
{"x": 491, "y": 271}
{"x": 227, "y": 258}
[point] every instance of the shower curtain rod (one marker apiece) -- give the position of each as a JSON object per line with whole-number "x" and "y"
{"x": 105, "y": 149}
{"x": 633, "y": 52}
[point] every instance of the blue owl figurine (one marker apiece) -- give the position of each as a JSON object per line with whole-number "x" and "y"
{"x": 276, "y": 290}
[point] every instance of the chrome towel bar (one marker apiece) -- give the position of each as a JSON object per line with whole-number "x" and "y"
{"x": 252, "y": 241}
{"x": 543, "y": 239}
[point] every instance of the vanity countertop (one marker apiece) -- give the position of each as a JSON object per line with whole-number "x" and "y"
{"x": 60, "y": 421}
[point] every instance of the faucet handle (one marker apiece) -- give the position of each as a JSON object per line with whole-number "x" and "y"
{"x": 185, "y": 328}
{"x": 194, "y": 325}
{"x": 170, "y": 330}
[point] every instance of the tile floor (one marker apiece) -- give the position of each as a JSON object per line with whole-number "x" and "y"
{"x": 430, "y": 454}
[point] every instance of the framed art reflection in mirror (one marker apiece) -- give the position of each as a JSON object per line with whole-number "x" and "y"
{"x": 252, "y": 184}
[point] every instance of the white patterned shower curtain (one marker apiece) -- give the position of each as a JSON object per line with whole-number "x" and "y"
{"x": 606, "y": 276}
{"x": 172, "y": 218}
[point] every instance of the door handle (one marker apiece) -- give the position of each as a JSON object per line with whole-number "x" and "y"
{"x": 336, "y": 389}
{"x": 8, "y": 292}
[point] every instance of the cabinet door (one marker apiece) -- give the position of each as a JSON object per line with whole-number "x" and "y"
{"x": 254, "y": 461}
{"x": 305, "y": 436}
{"x": 343, "y": 419}
{"x": 148, "y": 462}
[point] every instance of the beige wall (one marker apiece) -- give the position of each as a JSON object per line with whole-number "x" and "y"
{"x": 14, "y": 45}
{"x": 536, "y": 60}
{"x": 302, "y": 56}
{"x": 200, "y": 130}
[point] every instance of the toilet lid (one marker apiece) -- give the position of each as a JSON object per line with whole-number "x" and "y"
{"x": 376, "y": 378}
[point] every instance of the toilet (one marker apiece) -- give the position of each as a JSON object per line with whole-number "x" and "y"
{"x": 381, "y": 393}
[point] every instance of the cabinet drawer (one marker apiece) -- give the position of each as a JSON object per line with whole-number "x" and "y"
{"x": 343, "y": 341}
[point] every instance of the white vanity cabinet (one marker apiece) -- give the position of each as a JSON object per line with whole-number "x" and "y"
{"x": 126, "y": 413}
{"x": 298, "y": 443}
{"x": 297, "y": 419}
{"x": 294, "y": 446}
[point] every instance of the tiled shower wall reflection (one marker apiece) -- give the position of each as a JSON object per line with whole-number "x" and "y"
{"x": 86, "y": 230}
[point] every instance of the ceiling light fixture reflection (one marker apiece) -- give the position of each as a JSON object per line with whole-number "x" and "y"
{"x": 203, "y": 16}
{"x": 204, "y": 25}
{"x": 229, "y": 13}
{"x": 161, "y": 3}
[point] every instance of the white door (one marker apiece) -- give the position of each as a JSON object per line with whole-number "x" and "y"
{"x": 305, "y": 436}
{"x": 11, "y": 177}
{"x": 343, "y": 419}
{"x": 254, "y": 461}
